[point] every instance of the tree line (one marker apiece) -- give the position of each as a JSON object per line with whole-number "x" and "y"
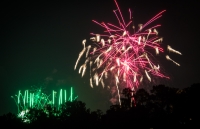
{"x": 161, "y": 107}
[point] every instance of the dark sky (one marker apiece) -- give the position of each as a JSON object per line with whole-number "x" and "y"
{"x": 40, "y": 42}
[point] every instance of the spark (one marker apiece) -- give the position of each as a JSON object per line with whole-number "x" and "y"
{"x": 168, "y": 58}
{"x": 172, "y": 50}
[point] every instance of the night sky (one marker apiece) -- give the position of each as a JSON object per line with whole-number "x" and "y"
{"x": 40, "y": 42}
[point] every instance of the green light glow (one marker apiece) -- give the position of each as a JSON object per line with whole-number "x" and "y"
{"x": 30, "y": 99}
{"x": 61, "y": 95}
{"x": 65, "y": 95}
{"x": 27, "y": 97}
{"x": 71, "y": 94}
{"x": 18, "y": 97}
{"x": 24, "y": 97}
{"x": 37, "y": 99}
{"x": 53, "y": 97}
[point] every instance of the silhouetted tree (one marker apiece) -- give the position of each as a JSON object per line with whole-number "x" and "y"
{"x": 142, "y": 97}
{"x": 10, "y": 120}
{"x": 163, "y": 106}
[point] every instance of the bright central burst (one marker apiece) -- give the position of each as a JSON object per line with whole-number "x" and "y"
{"x": 122, "y": 56}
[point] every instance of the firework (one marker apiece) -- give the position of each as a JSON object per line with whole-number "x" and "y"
{"x": 37, "y": 99}
{"x": 122, "y": 56}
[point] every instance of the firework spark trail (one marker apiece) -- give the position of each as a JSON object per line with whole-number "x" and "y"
{"x": 122, "y": 55}
{"x": 172, "y": 50}
{"x": 168, "y": 58}
{"x": 81, "y": 53}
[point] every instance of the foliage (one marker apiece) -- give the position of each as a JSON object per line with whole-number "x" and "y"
{"x": 162, "y": 106}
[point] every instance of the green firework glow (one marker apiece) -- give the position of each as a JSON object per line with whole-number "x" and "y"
{"x": 37, "y": 99}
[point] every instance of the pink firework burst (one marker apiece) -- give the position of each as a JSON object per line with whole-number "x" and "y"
{"x": 125, "y": 58}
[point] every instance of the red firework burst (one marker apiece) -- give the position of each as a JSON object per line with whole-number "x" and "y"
{"x": 124, "y": 56}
